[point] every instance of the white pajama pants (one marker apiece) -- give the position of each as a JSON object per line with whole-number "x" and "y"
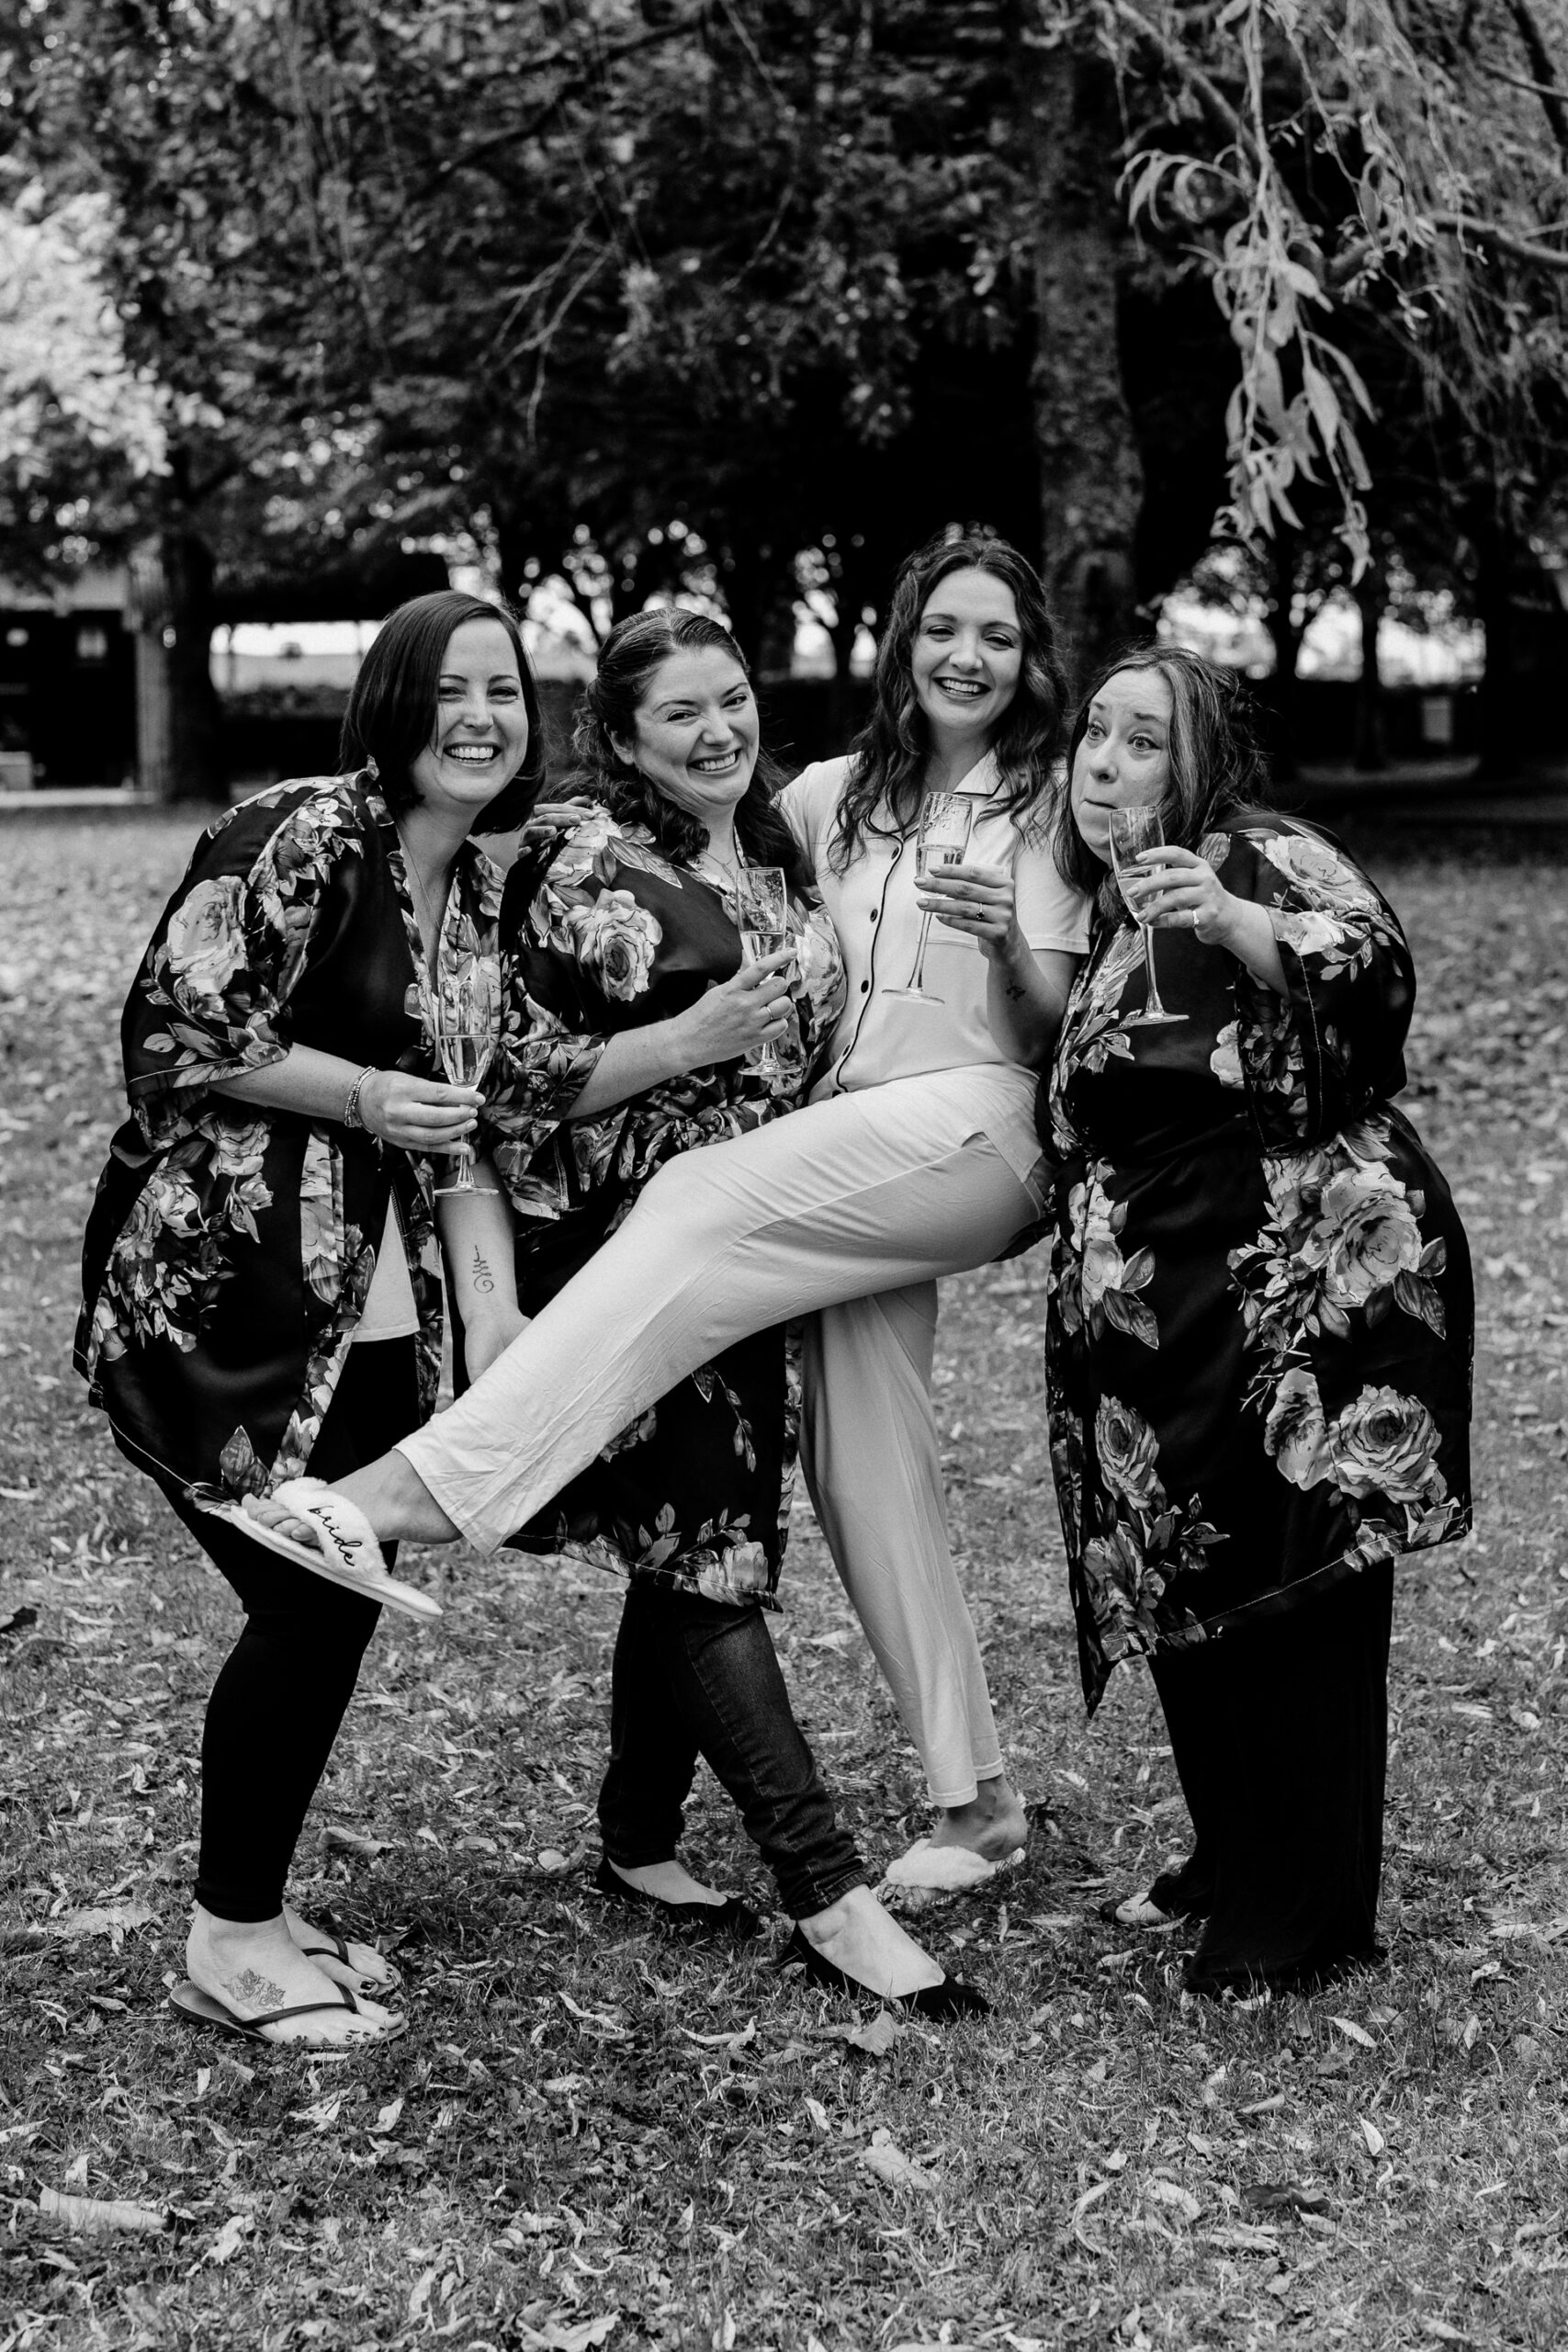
{"x": 878, "y": 1192}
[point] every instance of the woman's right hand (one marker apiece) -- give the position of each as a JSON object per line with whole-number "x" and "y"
{"x": 418, "y": 1113}
{"x": 738, "y": 1016}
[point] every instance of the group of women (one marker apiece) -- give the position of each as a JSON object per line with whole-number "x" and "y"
{"x": 713, "y": 1196}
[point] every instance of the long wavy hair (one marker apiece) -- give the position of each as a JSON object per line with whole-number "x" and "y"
{"x": 887, "y": 758}
{"x": 629, "y": 660}
{"x": 392, "y": 712}
{"x": 1218, "y": 767}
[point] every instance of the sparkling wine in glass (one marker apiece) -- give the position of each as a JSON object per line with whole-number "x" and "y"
{"x": 468, "y": 1026}
{"x": 762, "y": 911}
{"x": 1132, "y": 829}
{"x": 943, "y": 840}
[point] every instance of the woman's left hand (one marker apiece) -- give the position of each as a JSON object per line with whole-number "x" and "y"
{"x": 977, "y": 900}
{"x": 1177, "y": 891}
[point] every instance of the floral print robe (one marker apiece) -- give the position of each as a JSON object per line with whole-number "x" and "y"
{"x": 1260, "y": 1317}
{"x": 229, "y": 1248}
{"x": 612, "y": 935}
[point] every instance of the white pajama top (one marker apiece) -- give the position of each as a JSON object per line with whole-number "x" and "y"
{"x": 873, "y": 909}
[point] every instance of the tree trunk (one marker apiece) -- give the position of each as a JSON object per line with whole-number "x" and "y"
{"x": 1497, "y": 700}
{"x": 1091, "y": 479}
{"x": 1370, "y": 752}
{"x": 179, "y": 722}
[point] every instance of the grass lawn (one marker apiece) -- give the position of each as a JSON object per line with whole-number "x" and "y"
{"x": 593, "y": 2133}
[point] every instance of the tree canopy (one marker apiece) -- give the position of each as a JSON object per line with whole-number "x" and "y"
{"x": 667, "y": 293}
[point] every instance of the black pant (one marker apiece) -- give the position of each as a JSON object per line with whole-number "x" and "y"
{"x": 283, "y": 1690}
{"x": 1280, "y": 1734}
{"x": 693, "y": 1677}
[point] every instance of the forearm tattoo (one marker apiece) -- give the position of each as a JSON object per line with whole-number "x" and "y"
{"x": 484, "y": 1280}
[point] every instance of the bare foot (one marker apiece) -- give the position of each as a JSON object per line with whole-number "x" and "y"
{"x": 992, "y": 1825}
{"x": 365, "y": 1966}
{"x": 858, "y": 1936}
{"x": 391, "y": 1493}
{"x": 669, "y": 1882}
{"x": 254, "y": 1966}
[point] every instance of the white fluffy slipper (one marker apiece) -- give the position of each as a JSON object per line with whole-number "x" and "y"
{"x": 348, "y": 1552}
{"x": 946, "y": 1870}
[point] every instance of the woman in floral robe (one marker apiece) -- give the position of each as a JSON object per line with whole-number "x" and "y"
{"x": 260, "y": 1293}
{"x": 630, "y": 1038}
{"x": 1260, "y": 1318}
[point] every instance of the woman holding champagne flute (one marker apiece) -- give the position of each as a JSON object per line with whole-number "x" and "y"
{"x": 258, "y": 1295}
{"x": 916, "y": 1158}
{"x": 1260, "y": 1314}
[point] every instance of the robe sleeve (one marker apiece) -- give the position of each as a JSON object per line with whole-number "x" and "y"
{"x": 211, "y": 1000}
{"x": 1318, "y": 1058}
{"x": 562, "y": 958}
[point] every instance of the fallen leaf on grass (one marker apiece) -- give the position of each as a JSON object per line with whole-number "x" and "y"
{"x": 1171, "y": 2193}
{"x": 388, "y": 2116}
{"x": 889, "y": 2163}
{"x": 1354, "y": 2032}
{"x": 338, "y": 1840}
{"x": 1372, "y": 2136}
{"x": 814, "y": 2109}
{"x": 875, "y": 2037}
{"x": 113, "y": 1920}
{"x": 1283, "y": 2196}
{"x": 99, "y": 2212}
{"x": 1443, "y": 2331}
{"x": 731, "y": 2041}
{"x": 1268, "y": 2106}
{"x": 610, "y": 2028}
{"x": 230, "y": 2238}
{"x": 558, "y": 2335}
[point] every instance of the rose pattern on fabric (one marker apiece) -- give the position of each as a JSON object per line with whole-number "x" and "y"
{"x": 602, "y": 933}
{"x": 1301, "y": 1268}
{"x": 615, "y": 939}
{"x": 1225, "y": 1060}
{"x": 207, "y": 938}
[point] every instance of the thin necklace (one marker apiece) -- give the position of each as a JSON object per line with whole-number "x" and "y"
{"x": 429, "y": 926}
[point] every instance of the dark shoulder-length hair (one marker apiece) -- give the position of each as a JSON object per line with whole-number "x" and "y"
{"x": 629, "y": 660}
{"x": 392, "y": 712}
{"x": 887, "y": 757}
{"x": 1219, "y": 770}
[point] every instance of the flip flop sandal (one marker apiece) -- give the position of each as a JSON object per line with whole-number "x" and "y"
{"x": 946, "y": 1870}
{"x": 189, "y": 2001}
{"x": 349, "y": 1553}
{"x": 336, "y": 1947}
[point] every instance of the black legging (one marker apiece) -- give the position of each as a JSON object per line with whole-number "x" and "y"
{"x": 1278, "y": 1730}
{"x": 697, "y": 1677}
{"x": 285, "y": 1687}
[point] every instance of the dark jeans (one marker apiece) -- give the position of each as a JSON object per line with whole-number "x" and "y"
{"x": 285, "y": 1687}
{"x": 1278, "y": 1730}
{"x": 697, "y": 1678}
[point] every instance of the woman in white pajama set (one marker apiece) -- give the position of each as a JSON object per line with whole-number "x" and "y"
{"x": 914, "y": 1160}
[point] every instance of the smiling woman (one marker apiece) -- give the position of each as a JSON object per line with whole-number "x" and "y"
{"x": 258, "y": 1298}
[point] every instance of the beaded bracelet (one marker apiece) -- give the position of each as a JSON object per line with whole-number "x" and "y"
{"x": 353, "y": 1117}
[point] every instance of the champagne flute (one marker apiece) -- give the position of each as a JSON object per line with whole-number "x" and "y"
{"x": 762, "y": 905}
{"x": 944, "y": 837}
{"x": 468, "y": 1030}
{"x": 1132, "y": 829}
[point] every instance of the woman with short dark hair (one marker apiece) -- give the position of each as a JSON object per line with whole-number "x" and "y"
{"x": 1260, "y": 1316}
{"x": 257, "y": 1294}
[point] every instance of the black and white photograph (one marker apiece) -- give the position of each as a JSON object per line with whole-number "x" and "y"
{"x": 784, "y": 999}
